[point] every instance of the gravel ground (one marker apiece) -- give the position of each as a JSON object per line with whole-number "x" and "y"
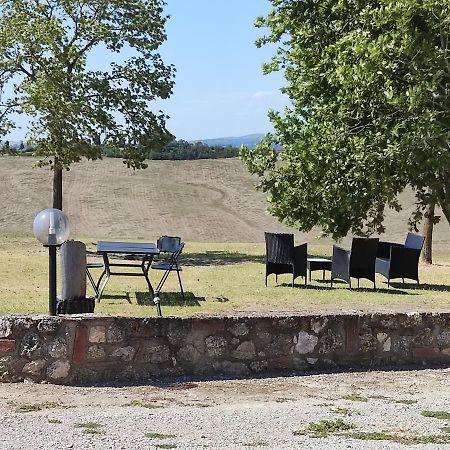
{"x": 228, "y": 414}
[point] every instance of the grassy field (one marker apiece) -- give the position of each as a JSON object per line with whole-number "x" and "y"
{"x": 213, "y": 206}
{"x": 201, "y": 201}
{"x": 218, "y": 278}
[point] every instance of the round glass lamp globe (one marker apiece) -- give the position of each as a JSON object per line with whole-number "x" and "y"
{"x": 51, "y": 227}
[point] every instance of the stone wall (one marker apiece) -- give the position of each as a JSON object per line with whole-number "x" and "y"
{"x": 90, "y": 348}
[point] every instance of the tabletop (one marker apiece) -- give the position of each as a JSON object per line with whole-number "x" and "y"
{"x": 130, "y": 248}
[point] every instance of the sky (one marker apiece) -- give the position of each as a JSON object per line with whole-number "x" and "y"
{"x": 220, "y": 89}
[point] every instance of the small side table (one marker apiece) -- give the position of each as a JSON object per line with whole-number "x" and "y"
{"x": 318, "y": 264}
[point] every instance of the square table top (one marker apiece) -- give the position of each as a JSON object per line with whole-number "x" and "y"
{"x": 130, "y": 248}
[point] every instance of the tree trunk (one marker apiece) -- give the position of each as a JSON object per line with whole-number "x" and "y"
{"x": 57, "y": 188}
{"x": 427, "y": 253}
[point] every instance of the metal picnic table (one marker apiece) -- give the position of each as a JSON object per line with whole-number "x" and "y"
{"x": 144, "y": 253}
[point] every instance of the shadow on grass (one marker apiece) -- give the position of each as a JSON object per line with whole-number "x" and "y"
{"x": 355, "y": 289}
{"x": 169, "y": 299}
{"x": 218, "y": 258}
{"x": 422, "y": 287}
{"x": 125, "y": 295}
{"x": 208, "y": 258}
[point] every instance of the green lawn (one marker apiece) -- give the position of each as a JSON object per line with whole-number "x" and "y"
{"x": 219, "y": 278}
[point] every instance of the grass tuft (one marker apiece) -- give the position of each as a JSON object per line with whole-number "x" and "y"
{"x": 90, "y": 427}
{"x": 142, "y": 404}
{"x": 31, "y": 407}
{"x": 399, "y": 439}
{"x": 152, "y": 435}
{"x": 355, "y": 398}
{"x": 441, "y": 415}
{"x": 54, "y": 421}
{"x": 406, "y": 401}
{"x": 324, "y": 428}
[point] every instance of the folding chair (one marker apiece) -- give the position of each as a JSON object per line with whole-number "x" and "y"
{"x": 172, "y": 247}
{"x": 94, "y": 285}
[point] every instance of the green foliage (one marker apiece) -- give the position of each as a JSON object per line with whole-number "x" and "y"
{"x": 325, "y": 427}
{"x": 369, "y": 85}
{"x": 182, "y": 150}
{"x": 62, "y": 61}
{"x": 442, "y": 415}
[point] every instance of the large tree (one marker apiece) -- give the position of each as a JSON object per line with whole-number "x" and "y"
{"x": 369, "y": 82}
{"x": 85, "y": 73}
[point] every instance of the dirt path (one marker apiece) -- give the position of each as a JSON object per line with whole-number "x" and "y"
{"x": 270, "y": 413}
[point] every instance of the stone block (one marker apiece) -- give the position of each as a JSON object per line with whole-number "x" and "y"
{"x": 216, "y": 346}
{"x": 58, "y": 370}
{"x": 31, "y": 346}
{"x": 246, "y": 350}
{"x": 97, "y": 334}
{"x": 96, "y": 352}
{"x": 58, "y": 348}
{"x": 443, "y": 339}
{"x": 330, "y": 342}
{"x": 188, "y": 354}
{"x": 7, "y": 345}
{"x": 34, "y": 367}
{"x": 155, "y": 351}
{"x": 426, "y": 353}
{"x": 238, "y": 329}
{"x": 319, "y": 324}
{"x": 114, "y": 334}
{"x": 124, "y": 353}
{"x": 306, "y": 343}
{"x": 5, "y": 327}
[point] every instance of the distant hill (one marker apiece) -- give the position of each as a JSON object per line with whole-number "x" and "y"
{"x": 250, "y": 140}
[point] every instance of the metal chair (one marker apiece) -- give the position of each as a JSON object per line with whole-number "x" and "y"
{"x": 400, "y": 260}
{"x": 358, "y": 263}
{"x": 94, "y": 285}
{"x": 172, "y": 247}
{"x": 283, "y": 257}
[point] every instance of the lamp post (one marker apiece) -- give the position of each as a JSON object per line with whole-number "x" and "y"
{"x": 51, "y": 227}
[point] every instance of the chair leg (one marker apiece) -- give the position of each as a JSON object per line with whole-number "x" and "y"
{"x": 181, "y": 287}
{"x": 350, "y": 283}
{"x": 266, "y": 280}
{"x": 389, "y": 281}
{"x": 306, "y": 280}
{"x": 358, "y": 283}
{"x": 331, "y": 282}
{"x": 403, "y": 280}
{"x": 276, "y": 278}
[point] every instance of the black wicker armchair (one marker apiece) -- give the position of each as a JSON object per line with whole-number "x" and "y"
{"x": 400, "y": 261}
{"x": 283, "y": 257}
{"x": 358, "y": 263}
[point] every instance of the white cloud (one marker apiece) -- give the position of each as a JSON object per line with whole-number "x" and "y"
{"x": 262, "y": 94}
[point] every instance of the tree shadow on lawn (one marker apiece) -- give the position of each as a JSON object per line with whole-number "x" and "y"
{"x": 169, "y": 299}
{"x": 356, "y": 289}
{"x": 208, "y": 258}
{"x": 218, "y": 258}
{"x": 422, "y": 287}
{"x": 125, "y": 295}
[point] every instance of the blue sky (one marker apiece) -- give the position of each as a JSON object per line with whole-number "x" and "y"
{"x": 220, "y": 89}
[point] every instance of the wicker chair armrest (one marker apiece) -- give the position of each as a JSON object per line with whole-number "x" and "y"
{"x": 300, "y": 256}
{"x": 340, "y": 264}
{"x": 384, "y": 248}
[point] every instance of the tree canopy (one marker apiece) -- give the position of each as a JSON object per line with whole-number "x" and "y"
{"x": 369, "y": 84}
{"x": 85, "y": 72}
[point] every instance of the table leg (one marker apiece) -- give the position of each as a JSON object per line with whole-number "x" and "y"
{"x": 106, "y": 272}
{"x": 145, "y": 266}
